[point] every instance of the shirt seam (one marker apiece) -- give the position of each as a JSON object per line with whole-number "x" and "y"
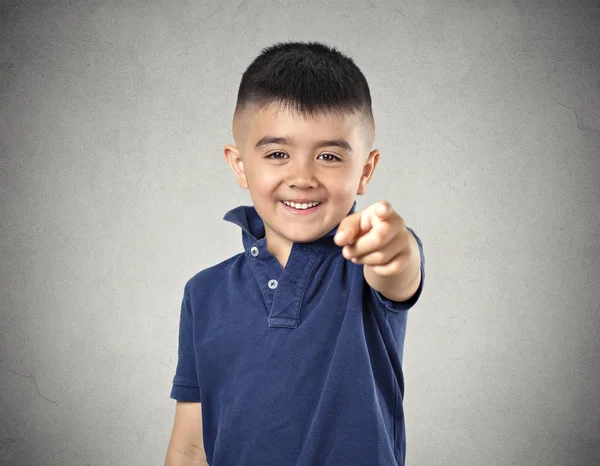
{"x": 396, "y": 395}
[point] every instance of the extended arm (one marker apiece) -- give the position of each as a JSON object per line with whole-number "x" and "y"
{"x": 398, "y": 285}
{"x": 378, "y": 238}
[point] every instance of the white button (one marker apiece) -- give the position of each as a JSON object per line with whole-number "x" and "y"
{"x": 254, "y": 251}
{"x": 272, "y": 284}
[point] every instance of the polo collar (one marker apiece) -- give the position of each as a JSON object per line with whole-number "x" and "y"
{"x": 253, "y": 227}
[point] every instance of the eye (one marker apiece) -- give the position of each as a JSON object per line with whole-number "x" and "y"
{"x": 330, "y": 158}
{"x": 272, "y": 155}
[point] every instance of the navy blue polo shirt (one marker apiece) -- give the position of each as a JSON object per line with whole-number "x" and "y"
{"x": 293, "y": 366}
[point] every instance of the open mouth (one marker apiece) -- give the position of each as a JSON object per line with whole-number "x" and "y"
{"x": 302, "y": 206}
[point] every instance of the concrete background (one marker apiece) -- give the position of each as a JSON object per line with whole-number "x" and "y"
{"x": 113, "y": 118}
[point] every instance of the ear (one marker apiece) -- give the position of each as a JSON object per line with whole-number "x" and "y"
{"x": 367, "y": 171}
{"x": 234, "y": 159}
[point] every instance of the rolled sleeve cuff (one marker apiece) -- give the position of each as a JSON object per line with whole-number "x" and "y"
{"x": 185, "y": 393}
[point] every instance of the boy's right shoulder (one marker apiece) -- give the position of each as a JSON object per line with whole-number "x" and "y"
{"x": 215, "y": 273}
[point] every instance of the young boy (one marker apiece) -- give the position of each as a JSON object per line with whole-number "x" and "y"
{"x": 290, "y": 353}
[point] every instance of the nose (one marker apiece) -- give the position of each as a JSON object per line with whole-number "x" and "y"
{"x": 302, "y": 175}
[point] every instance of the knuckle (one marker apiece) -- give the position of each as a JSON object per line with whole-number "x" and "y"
{"x": 385, "y": 229}
{"x": 379, "y": 235}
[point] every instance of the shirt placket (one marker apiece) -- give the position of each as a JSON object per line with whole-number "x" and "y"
{"x": 283, "y": 291}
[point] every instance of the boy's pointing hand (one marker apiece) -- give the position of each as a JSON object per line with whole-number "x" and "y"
{"x": 376, "y": 237}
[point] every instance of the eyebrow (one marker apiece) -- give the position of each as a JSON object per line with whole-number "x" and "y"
{"x": 342, "y": 143}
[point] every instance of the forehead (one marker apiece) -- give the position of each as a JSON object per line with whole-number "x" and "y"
{"x": 282, "y": 122}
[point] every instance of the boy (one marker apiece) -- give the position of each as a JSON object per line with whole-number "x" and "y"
{"x": 290, "y": 353}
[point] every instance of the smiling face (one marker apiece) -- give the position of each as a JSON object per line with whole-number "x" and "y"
{"x": 303, "y": 174}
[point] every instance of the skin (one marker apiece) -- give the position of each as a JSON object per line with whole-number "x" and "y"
{"x": 375, "y": 236}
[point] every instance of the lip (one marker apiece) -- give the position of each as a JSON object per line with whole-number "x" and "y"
{"x": 300, "y": 211}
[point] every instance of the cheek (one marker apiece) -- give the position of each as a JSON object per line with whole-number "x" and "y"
{"x": 263, "y": 180}
{"x": 342, "y": 184}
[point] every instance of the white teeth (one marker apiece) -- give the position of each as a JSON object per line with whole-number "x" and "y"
{"x": 301, "y": 206}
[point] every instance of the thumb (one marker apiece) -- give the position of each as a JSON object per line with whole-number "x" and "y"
{"x": 383, "y": 209}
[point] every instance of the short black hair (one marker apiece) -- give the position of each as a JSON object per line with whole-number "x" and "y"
{"x": 307, "y": 78}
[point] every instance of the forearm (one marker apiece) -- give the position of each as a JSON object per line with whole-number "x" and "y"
{"x": 403, "y": 284}
{"x": 185, "y": 457}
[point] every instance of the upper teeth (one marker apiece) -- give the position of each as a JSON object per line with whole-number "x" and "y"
{"x": 301, "y": 206}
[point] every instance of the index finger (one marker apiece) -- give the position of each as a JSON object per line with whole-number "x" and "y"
{"x": 348, "y": 230}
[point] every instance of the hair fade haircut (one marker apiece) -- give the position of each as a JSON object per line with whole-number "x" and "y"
{"x": 308, "y": 78}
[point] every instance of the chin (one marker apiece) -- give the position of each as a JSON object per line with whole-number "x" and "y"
{"x": 304, "y": 238}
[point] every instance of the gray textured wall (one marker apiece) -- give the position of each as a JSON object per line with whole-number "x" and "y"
{"x": 113, "y": 118}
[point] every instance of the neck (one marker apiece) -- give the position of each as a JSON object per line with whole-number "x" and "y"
{"x": 279, "y": 249}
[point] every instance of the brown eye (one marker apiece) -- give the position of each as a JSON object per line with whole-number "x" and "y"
{"x": 273, "y": 156}
{"x": 330, "y": 158}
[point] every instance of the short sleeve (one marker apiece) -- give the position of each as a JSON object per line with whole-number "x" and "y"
{"x": 185, "y": 381}
{"x": 396, "y": 306}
